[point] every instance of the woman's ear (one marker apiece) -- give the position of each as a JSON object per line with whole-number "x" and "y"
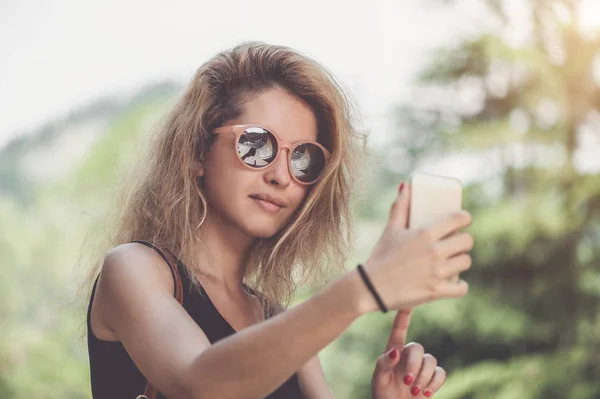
{"x": 199, "y": 169}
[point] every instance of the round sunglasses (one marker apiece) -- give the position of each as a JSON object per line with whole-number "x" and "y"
{"x": 257, "y": 148}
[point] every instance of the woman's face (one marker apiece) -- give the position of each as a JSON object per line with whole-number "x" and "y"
{"x": 230, "y": 187}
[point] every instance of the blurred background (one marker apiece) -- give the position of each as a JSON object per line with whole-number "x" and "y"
{"x": 504, "y": 95}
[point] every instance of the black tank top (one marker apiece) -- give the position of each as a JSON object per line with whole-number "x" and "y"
{"x": 115, "y": 376}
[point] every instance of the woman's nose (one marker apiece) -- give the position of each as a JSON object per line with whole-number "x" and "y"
{"x": 279, "y": 172}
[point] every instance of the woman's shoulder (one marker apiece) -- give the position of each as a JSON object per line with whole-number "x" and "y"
{"x": 133, "y": 265}
{"x": 137, "y": 256}
{"x": 129, "y": 272}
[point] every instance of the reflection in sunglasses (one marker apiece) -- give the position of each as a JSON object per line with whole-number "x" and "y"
{"x": 251, "y": 152}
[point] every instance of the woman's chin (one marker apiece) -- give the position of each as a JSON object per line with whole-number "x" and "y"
{"x": 263, "y": 230}
{"x": 259, "y": 226}
{"x": 263, "y": 233}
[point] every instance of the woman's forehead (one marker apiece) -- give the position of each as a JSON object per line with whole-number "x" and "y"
{"x": 286, "y": 115}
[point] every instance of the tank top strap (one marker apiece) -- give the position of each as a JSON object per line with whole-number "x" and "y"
{"x": 174, "y": 263}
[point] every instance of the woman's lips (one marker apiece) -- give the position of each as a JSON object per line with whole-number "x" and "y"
{"x": 267, "y": 206}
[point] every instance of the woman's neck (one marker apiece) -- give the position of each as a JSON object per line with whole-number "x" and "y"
{"x": 221, "y": 255}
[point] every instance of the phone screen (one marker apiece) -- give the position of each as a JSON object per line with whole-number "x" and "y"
{"x": 433, "y": 197}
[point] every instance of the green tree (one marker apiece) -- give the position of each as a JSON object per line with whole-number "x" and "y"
{"x": 529, "y": 327}
{"x": 42, "y": 349}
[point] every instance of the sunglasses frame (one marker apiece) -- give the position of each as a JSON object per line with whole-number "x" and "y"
{"x": 238, "y": 130}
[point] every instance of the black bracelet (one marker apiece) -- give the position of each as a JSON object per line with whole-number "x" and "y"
{"x": 371, "y": 288}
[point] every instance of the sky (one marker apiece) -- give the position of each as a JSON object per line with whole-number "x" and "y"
{"x": 59, "y": 55}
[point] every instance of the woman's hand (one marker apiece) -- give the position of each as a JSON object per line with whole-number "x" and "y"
{"x": 412, "y": 267}
{"x": 405, "y": 371}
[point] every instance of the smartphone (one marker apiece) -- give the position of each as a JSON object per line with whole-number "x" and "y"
{"x": 433, "y": 197}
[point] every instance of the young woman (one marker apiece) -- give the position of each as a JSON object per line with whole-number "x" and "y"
{"x": 246, "y": 192}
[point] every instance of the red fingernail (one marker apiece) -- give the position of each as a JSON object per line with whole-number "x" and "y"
{"x": 409, "y": 378}
{"x": 415, "y": 390}
{"x": 427, "y": 393}
{"x": 393, "y": 354}
{"x": 401, "y": 187}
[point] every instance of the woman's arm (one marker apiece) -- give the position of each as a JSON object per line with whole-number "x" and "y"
{"x": 135, "y": 303}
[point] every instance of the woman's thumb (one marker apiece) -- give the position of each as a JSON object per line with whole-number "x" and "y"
{"x": 401, "y": 207}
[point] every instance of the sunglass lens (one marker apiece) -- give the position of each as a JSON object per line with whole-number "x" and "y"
{"x": 257, "y": 147}
{"x": 307, "y": 163}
